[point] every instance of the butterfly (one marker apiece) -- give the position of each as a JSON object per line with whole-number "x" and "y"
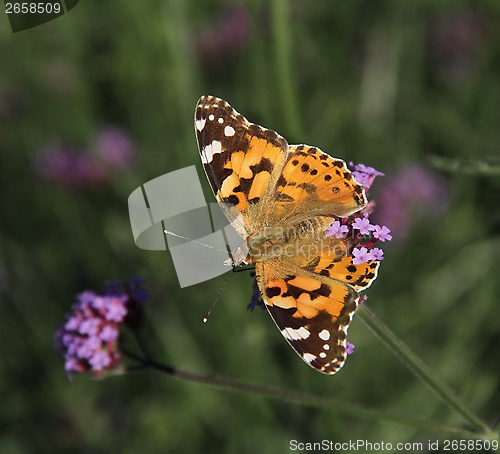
{"x": 281, "y": 199}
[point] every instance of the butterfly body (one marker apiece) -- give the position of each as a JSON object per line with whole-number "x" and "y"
{"x": 281, "y": 199}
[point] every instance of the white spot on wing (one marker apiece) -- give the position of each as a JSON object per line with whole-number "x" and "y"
{"x": 200, "y": 124}
{"x": 211, "y": 117}
{"x": 326, "y": 347}
{"x": 296, "y": 334}
{"x": 324, "y": 335}
{"x": 207, "y": 154}
{"x": 322, "y": 355}
{"x": 229, "y": 131}
{"x": 221, "y": 120}
{"x": 308, "y": 357}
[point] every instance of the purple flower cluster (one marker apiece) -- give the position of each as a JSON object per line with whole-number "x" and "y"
{"x": 358, "y": 233}
{"x": 224, "y": 37}
{"x": 78, "y": 168}
{"x": 456, "y": 41}
{"x": 413, "y": 191}
{"x": 113, "y": 148}
{"x": 89, "y": 337}
{"x": 69, "y": 166}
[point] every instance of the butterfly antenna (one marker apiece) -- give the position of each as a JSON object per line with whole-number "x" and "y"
{"x": 168, "y": 232}
{"x": 205, "y": 319}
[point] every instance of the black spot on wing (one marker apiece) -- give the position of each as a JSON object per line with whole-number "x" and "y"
{"x": 309, "y": 188}
{"x": 273, "y": 291}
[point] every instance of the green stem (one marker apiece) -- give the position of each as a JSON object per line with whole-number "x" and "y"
{"x": 421, "y": 370}
{"x": 282, "y": 40}
{"x": 228, "y": 384}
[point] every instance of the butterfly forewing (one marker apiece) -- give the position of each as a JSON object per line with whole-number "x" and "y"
{"x": 242, "y": 160}
{"x": 316, "y": 183}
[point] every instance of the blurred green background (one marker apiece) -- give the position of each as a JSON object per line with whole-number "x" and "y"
{"x": 101, "y": 100}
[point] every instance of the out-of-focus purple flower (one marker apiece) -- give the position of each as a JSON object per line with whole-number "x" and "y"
{"x": 455, "y": 40}
{"x": 70, "y": 167}
{"x": 89, "y": 337}
{"x": 349, "y": 348}
{"x": 411, "y": 192}
{"x": 256, "y": 299}
{"x": 114, "y": 148}
{"x": 225, "y": 36}
{"x": 78, "y": 168}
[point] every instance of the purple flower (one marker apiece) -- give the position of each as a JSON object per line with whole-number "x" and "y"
{"x": 364, "y": 175}
{"x": 376, "y": 254}
{"x": 456, "y": 40}
{"x": 363, "y": 225}
{"x": 89, "y": 326}
{"x": 410, "y": 193}
{"x": 108, "y": 333}
{"x": 70, "y": 167}
{"x": 76, "y": 167}
{"x": 89, "y": 337}
{"x": 382, "y": 233}
{"x": 100, "y": 360}
{"x": 225, "y": 36}
{"x": 361, "y": 255}
{"x": 116, "y": 309}
{"x": 73, "y": 324}
{"x": 337, "y": 230}
{"x": 356, "y": 231}
{"x": 349, "y": 348}
{"x": 114, "y": 149}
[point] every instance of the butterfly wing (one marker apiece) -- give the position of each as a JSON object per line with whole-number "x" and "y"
{"x": 312, "y": 301}
{"x": 242, "y": 160}
{"x": 313, "y": 315}
{"x": 313, "y": 183}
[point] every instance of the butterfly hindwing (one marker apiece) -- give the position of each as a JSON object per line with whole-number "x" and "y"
{"x": 312, "y": 314}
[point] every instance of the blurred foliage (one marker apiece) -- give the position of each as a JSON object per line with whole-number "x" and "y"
{"x": 385, "y": 83}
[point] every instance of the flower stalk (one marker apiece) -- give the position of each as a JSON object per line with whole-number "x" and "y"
{"x": 291, "y": 396}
